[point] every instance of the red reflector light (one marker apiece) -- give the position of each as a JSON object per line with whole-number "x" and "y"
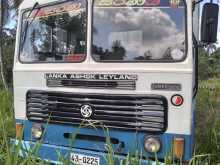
{"x": 177, "y": 100}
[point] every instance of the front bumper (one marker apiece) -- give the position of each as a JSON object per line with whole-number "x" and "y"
{"x": 55, "y": 154}
{"x": 55, "y": 138}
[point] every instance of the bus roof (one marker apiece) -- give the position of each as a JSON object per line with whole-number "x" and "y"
{"x": 30, "y": 3}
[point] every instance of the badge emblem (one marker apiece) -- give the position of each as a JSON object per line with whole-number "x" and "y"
{"x": 86, "y": 111}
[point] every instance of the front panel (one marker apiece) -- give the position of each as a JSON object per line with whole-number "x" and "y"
{"x": 74, "y": 82}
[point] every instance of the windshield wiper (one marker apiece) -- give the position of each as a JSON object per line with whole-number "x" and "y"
{"x": 24, "y": 34}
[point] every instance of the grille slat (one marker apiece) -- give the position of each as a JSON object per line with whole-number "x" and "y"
{"x": 112, "y": 123}
{"x": 146, "y": 113}
{"x": 101, "y": 100}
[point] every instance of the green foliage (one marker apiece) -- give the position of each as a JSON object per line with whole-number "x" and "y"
{"x": 7, "y": 155}
{"x": 205, "y": 69}
{"x": 8, "y": 56}
{"x": 208, "y": 113}
{"x": 209, "y": 66}
{"x": 208, "y": 124}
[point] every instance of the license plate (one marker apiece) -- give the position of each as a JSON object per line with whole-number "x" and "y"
{"x": 79, "y": 159}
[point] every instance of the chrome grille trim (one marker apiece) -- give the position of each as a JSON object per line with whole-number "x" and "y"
{"x": 147, "y": 113}
{"x": 94, "y": 84}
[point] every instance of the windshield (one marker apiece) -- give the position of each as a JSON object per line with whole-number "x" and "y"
{"x": 139, "y": 30}
{"x": 55, "y": 33}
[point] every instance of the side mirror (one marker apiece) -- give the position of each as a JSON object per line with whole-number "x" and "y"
{"x": 209, "y": 26}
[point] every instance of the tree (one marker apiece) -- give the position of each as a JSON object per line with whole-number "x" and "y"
{"x": 15, "y": 3}
{"x": 205, "y": 68}
{"x": 211, "y": 49}
{"x": 8, "y": 55}
{"x": 118, "y": 51}
{"x": 5, "y": 6}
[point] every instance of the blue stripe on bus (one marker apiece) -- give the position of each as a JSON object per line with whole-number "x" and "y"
{"x": 49, "y": 153}
{"x": 133, "y": 142}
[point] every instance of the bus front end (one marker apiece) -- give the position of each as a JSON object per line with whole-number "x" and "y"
{"x": 102, "y": 80}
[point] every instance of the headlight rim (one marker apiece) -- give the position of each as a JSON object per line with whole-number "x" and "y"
{"x": 155, "y": 138}
{"x": 37, "y": 127}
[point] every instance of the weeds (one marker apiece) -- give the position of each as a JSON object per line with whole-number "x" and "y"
{"x": 208, "y": 125}
{"x": 207, "y": 136}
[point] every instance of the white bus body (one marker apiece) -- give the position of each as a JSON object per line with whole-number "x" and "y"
{"x": 172, "y": 81}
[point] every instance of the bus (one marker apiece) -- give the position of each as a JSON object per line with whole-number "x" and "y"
{"x": 95, "y": 79}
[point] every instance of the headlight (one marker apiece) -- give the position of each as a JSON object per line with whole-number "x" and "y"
{"x": 37, "y": 131}
{"x": 152, "y": 144}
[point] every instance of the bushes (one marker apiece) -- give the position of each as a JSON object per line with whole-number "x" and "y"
{"x": 209, "y": 66}
{"x": 208, "y": 124}
{"x": 205, "y": 69}
{"x": 8, "y": 56}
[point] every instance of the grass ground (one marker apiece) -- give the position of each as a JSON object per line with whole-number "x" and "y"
{"x": 208, "y": 120}
{"x": 207, "y": 149}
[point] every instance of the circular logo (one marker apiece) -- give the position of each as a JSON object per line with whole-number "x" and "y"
{"x": 86, "y": 111}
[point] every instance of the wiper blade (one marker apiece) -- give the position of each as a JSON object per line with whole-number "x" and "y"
{"x": 24, "y": 34}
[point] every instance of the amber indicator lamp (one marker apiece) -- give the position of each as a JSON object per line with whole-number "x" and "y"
{"x": 179, "y": 147}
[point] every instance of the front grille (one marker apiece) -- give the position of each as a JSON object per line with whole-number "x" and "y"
{"x": 99, "y": 84}
{"x": 129, "y": 112}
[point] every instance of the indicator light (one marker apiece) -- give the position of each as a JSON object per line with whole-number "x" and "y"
{"x": 177, "y": 100}
{"x": 152, "y": 144}
{"x": 19, "y": 130}
{"x": 179, "y": 147}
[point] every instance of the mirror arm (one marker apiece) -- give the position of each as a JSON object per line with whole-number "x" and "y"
{"x": 198, "y": 2}
{"x": 201, "y": 44}
{"x": 198, "y": 44}
{"x": 195, "y": 3}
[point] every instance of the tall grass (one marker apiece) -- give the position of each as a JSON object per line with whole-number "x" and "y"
{"x": 208, "y": 124}
{"x": 9, "y": 156}
{"x": 207, "y": 136}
